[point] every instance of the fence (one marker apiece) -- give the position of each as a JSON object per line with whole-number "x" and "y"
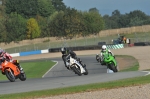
{"x": 135, "y": 34}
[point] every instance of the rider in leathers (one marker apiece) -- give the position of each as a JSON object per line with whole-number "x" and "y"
{"x": 104, "y": 50}
{"x": 6, "y": 56}
{"x": 65, "y": 51}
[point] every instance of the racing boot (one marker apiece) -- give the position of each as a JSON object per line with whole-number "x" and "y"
{"x": 67, "y": 67}
{"x": 103, "y": 63}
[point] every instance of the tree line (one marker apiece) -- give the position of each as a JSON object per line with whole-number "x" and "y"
{"x": 29, "y": 19}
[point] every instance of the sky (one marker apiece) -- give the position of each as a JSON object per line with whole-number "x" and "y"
{"x": 108, "y": 6}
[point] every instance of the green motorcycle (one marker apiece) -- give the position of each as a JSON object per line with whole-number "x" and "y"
{"x": 110, "y": 61}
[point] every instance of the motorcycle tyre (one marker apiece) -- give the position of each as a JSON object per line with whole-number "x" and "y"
{"x": 113, "y": 68}
{"x": 22, "y": 76}
{"x": 76, "y": 70}
{"x": 97, "y": 58}
{"x": 86, "y": 71}
{"x": 10, "y": 76}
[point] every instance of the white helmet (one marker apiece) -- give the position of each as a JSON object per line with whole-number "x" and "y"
{"x": 104, "y": 47}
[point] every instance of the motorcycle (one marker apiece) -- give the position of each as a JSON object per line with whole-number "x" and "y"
{"x": 76, "y": 66}
{"x": 110, "y": 62}
{"x": 97, "y": 57}
{"x": 12, "y": 71}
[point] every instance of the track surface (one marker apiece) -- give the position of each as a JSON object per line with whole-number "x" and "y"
{"x": 59, "y": 77}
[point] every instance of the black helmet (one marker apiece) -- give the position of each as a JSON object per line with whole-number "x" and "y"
{"x": 63, "y": 50}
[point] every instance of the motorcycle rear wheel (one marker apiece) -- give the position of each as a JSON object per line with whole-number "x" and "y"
{"x": 10, "y": 75}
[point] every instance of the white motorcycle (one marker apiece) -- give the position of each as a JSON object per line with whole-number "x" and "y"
{"x": 76, "y": 66}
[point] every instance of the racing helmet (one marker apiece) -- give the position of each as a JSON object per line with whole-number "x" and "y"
{"x": 63, "y": 50}
{"x": 104, "y": 48}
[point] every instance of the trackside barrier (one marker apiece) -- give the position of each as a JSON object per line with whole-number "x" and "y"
{"x": 15, "y": 54}
{"x": 78, "y": 48}
{"x": 117, "y": 46}
{"x": 52, "y": 50}
{"x": 44, "y": 51}
{"x": 142, "y": 44}
{"x": 30, "y": 53}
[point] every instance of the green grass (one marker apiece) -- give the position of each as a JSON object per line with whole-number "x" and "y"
{"x": 34, "y": 69}
{"x": 82, "y": 88}
{"x": 132, "y": 68}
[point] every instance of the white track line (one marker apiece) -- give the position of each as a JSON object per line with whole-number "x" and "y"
{"x": 50, "y": 68}
{"x": 148, "y": 73}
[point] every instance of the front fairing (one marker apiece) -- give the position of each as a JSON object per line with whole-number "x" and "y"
{"x": 74, "y": 62}
{"x": 9, "y": 65}
{"x": 108, "y": 59}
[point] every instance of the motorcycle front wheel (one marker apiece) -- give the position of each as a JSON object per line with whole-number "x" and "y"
{"x": 97, "y": 58}
{"x": 76, "y": 70}
{"x": 86, "y": 71}
{"x": 22, "y": 76}
{"x": 10, "y": 75}
{"x": 113, "y": 67}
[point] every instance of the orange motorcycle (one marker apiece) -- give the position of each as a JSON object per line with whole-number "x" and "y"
{"x": 12, "y": 71}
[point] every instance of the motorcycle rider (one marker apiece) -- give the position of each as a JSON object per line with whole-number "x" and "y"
{"x": 65, "y": 51}
{"x": 8, "y": 57}
{"x": 104, "y": 50}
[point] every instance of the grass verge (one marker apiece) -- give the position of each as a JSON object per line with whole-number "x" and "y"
{"x": 77, "y": 89}
{"x": 133, "y": 63}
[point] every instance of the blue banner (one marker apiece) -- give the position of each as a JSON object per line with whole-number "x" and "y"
{"x": 30, "y": 53}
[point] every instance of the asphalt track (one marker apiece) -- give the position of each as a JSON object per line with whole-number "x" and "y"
{"x": 59, "y": 77}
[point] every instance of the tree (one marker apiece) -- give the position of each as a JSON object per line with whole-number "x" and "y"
{"x": 93, "y": 22}
{"x": 137, "y": 18}
{"x": 26, "y": 8}
{"x": 59, "y": 5}
{"x": 94, "y": 10}
{"x": 72, "y": 22}
{"x": 115, "y": 19}
{"x": 56, "y": 24}
{"x": 3, "y": 31}
{"x": 136, "y": 22}
{"x": 15, "y": 27}
{"x": 33, "y": 30}
{"x": 43, "y": 24}
{"x": 45, "y": 8}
